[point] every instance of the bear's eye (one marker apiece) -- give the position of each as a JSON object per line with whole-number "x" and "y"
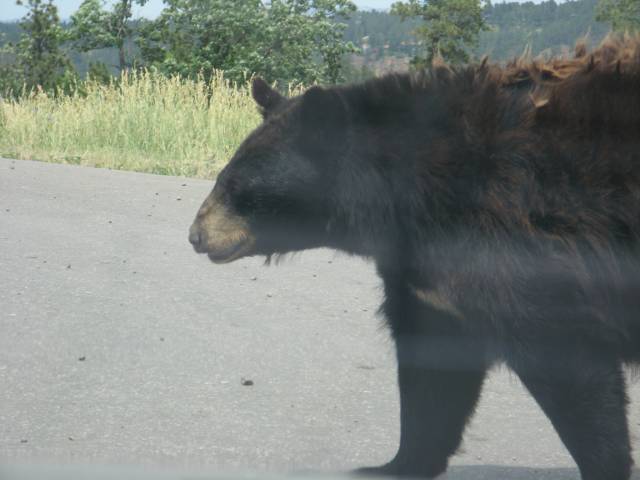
{"x": 230, "y": 187}
{"x": 241, "y": 195}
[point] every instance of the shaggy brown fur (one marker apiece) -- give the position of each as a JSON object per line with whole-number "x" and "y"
{"x": 592, "y": 90}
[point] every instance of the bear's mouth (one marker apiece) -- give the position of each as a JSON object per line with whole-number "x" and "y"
{"x": 231, "y": 252}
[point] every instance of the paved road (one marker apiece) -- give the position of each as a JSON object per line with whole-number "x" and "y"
{"x": 120, "y": 347}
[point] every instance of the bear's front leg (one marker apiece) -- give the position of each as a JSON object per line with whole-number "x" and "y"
{"x": 440, "y": 375}
{"x": 435, "y": 406}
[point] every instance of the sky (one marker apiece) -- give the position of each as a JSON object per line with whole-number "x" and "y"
{"x": 10, "y": 11}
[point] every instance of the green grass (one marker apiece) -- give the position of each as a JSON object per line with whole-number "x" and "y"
{"x": 145, "y": 122}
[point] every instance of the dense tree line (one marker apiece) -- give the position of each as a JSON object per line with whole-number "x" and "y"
{"x": 293, "y": 40}
{"x": 284, "y": 41}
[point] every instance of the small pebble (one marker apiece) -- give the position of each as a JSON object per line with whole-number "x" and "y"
{"x": 254, "y": 279}
{"x": 162, "y": 339}
{"x": 178, "y": 199}
{"x": 24, "y": 441}
{"x": 71, "y": 439}
{"x": 246, "y": 382}
{"x": 82, "y": 359}
{"x": 69, "y": 267}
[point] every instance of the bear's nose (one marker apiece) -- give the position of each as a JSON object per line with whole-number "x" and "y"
{"x": 195, "y": 237}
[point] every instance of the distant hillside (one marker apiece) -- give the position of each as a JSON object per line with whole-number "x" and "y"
{"x": 545, "y": 26}
{"x": 380, "y": 34}
{"x": 549, "y": 26}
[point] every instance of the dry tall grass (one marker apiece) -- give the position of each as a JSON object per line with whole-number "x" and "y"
{"x": 145, "y": 122}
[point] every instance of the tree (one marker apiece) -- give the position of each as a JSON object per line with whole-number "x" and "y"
{"x": 10, "y": 81}
{"x": 450, "y": 27}
{"x": 94, "y": 27}
{"x": 623, "y": 15}
{"x": 284, "y": 40}
{"x": 40, "y": 61}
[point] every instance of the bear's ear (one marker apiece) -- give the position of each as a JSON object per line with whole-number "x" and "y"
{"x": 323, "y": 108}
{"x": 265, "y": 96}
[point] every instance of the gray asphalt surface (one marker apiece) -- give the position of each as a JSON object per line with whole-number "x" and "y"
{"x": 120, "y": 347}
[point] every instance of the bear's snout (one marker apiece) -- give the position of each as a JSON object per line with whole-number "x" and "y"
{"x": 221, "y": 234}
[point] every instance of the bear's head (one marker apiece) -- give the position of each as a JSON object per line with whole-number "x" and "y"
{"x": 274, "y": 196}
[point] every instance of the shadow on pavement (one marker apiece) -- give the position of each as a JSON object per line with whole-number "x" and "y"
{"x": 499, "y": 472}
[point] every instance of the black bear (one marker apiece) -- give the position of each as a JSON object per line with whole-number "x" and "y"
{"x": 501, "y": 206}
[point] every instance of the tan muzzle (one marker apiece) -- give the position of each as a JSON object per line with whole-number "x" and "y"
{"x": 219, "y": 233}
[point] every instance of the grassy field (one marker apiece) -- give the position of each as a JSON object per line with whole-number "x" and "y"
{"x": 145, "y": 122}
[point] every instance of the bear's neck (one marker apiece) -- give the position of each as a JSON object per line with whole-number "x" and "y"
{"x": 416, "y": 165}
